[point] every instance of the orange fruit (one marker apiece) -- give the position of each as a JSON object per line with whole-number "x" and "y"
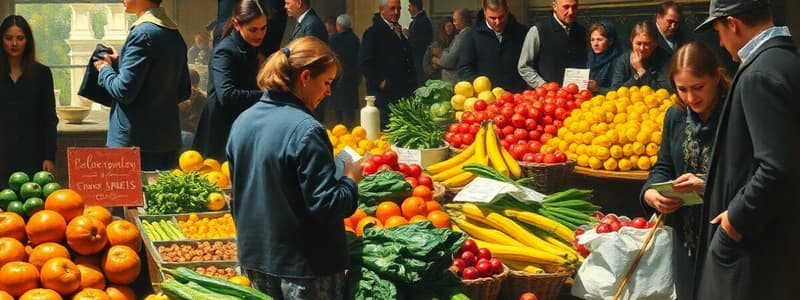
{"x": 225, "y": 169}
{"x": 123, "y": 232}
{"x": 423, "y": 192}
{"x": 91, "y": 294}
{"x": 413, "y": 206}
{"x": 45, "y": 251}
{"x": 18, "y": 277}
{"x": 394, "y": 221}
{"x": 417, "y": 218}
{"x": 357, "y": 216}
{"x": 66, "y": 202}
{"x": 364, "y": 222}
{"x": 121, "y": 264}
{"x": 99, "y": 212}
{"x": 439, "y": 219}
{"x": 348, "y": 222}
{"x": 433, "y": 205}
{"x": 46, "y": 226}
{"x": 216, "y": 177}
{"x": 11, "y": 250}
{"x": 387, "y": 209}
{"x": 5, "y": 296}
{"x": 86, "y": 235}
{"x": 190, "y": 160}
{"x": 12, "y": 225}
{"x": 40, "y": 294}
{"x": 92, "y": 277}
{"x": 120, "y": 292}
{"x": 61, "y": 275}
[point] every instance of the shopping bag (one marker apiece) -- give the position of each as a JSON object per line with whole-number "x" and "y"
{"x": 611, "y": 256}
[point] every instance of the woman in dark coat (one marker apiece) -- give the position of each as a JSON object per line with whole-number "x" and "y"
{"x": 232, "y": 74}
{"x": 688, "y": 134}
{"x": 645, "y": 63}
{"x": 27, "y": 105}
{"x": 605, "y": 51}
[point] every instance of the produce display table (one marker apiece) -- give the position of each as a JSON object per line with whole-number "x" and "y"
{"x": 616, "y": 192}
{"x": 150, "y": 272}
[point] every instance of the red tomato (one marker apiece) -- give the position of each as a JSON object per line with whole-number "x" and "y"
{"x": 541, "y": 91}
{"x": 521, "y": 109}
{"x": 570, "y": 105}
{"x": 480, "y": 105}
{"x": 484, "y": 268}
{"x": 534, "y": 146}
{"x": 603, "y": 228}
{"x": 558, "y": 123}
{"x": 506, "y": 111}
{"x": 551, "y": 129}
{"x": 370, "y": 168}
{"x": 377, "y": 160}
{"x": 467, "y": 138}
{"x": 545, "y": 137}
{"x": 426, "y": 181}
{"x": 549, "y": 108}
{"x": 572, "y": 88}
{"x": 538, "y": 158}
{"x": 464, "y": 127}
{"x": 510, "y": 139}
{"x": 499, "y": 121}
{"x": 508, "y": 130}
{"x": 469, "y": 258}
{"x": 390, "y": 158}
{"x": 449, "y": 136}
{"x": 481, "y": 116}
{"x": 414, "y": 170}
{"x": 460, "y": 264}
{"x": 608, "y": 219}
{"x": 549, "y": 158}
{"x": 507, "y": 96}
{"x": 412, "y": 181}
{"x": 546, "y": 119}
{"x": 403, "y": 168}
{"x": 518, "y": 121}
{"x": 528, "y": 296}
{"x": 484, "y": 253}
{"x": 534, "y": 135}
{"x": 470, "y": 273}
{"x": 537, "y": 105}
{"x": 453, "y": 127}
{"x": 560, "y": 156}
{"x": 551, "y": 86}
{"x": 530, "y": 124}
{"x": 518, "y": 151}
{"x": 579, "y": 231}
{"x": 505, "y": 144}
{"x": 455, "y": 140}
{"x": 521, "y": 134}
{"x": 585, "y": 95}
{"x": 470, "y": 246}
{"x": 639, "y": 222}
{"x": 385, "y": 167}
{"x": 528, "y": 157}
{"x": 560, "y": 113}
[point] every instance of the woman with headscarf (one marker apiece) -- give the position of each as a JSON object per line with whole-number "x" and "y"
{"x": 604, "y": 54}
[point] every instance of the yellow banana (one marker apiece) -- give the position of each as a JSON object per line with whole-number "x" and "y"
{"x": 522, "y": 254}
{"x": 458, "y": 180}
{"x": 450, "y": 173}
{"x": 522, "y": 266}
{"x": 513, "y": 166}
{"x": 487, "y": 234}
{"x": 495, "y": 157}
{"x": 543, "y": 223}
{"x": 451, "y": 162}
{"x": 481, "y": 156}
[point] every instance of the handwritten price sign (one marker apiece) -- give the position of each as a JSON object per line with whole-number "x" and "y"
{"x": 106, "y": 176}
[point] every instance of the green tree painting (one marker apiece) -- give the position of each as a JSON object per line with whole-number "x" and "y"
{"x": 51, "y": 25}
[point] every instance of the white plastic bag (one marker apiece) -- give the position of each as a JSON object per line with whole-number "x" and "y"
{"x": 612, "y": 254}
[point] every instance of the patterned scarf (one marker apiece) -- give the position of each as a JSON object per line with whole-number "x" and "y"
{"x": 696, "y": 155}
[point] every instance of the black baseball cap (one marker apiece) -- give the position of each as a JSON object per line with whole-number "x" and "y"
{"x": 723, "y": 8}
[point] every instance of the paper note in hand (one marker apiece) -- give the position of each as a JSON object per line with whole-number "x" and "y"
{"x": 689, "y": 198}
{"x": 347, "y": 154}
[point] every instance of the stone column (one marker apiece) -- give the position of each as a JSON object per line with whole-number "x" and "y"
{"x": 81, "y": 42}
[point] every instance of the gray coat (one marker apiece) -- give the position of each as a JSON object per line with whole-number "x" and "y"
{"x": 449, "y": 57}
{"x": 754, "y": 174}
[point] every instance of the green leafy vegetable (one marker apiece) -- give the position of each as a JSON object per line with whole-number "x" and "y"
{"x": 383, "y": 185}
{"x": 182, "y": 193}
{"x": 411, "y": 126}
{"x": 434, "y": 91}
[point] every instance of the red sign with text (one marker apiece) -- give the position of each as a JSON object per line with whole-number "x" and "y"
{"x": 106, "y": 176}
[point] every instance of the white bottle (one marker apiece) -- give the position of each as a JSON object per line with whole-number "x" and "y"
{"x": 371, "y": 118}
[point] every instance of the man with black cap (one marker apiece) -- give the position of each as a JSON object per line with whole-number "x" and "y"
{"x": 752, "y": 185}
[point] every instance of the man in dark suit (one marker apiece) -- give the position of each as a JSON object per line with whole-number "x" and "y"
{"x": 668, "y": 18}
{"x": 385, "y": 58}
{"x": 420, "y": 36}
{"x": 344, "y": 97}
{"x": 308, "y": 22}
{"x": 752, "y": 186}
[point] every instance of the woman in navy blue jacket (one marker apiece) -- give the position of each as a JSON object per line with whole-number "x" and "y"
{"x": 27, "y": 105}
{"x": 288, "y": 201}
{"x": 688, "y": 134}
{"x": 232, "y": 73}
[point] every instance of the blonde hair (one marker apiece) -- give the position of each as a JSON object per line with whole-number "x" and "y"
{"x": 282, "y": 67}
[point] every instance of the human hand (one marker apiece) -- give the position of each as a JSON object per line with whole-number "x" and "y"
{"x": 436, "y": 51}
{"x": 114, "y": 56}
{"x": 722, "y": 220}
{"x": 49, "y": 166}
{"x": 354, "y": 170}
{"x": 102, "y": 62}
{"x": 382, "y": 85}
{"x": 636, "y": 62}
{"x": 689, "y": 183}
{"x": 592, "y": 86}
{"x": 660, "y": 203}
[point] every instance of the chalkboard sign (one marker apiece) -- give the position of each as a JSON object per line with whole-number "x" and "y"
{"x": 106, "y": 176}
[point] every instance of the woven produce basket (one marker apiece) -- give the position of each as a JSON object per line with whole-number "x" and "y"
{"x": 439, "y": 192}
{"x": 454, "y": 151}
{"x": 450, "y": 193}
{"x": 546, "y": 286}
{"x": 486, "y": 288}
{"x": 548, "y": 178}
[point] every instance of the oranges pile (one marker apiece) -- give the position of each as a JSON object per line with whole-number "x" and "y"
{"x": 197, "y": 228}
{"x": 420, "y": 206}
{"x": 211, "y": 169}
{"x": 620, "y": 131}
{"x": 356, "y": 139}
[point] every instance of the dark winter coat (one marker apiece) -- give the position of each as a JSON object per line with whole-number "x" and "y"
{"x": 420, "y": 36}
{"x": 754, "y": 175}
{"x": 232, "y": 88}
{"x": 481, "y": 54}
{"x": 656, "y": 75}
{"x": 344, "y": 95}
{"x": 310, "y": 26}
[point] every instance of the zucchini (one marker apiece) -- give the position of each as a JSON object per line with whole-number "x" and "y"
{"x": 217, "y": 285}
{"x": 177, "y": 291}
{"x": 209, "y": 293}
{"x": 488, "y": 172}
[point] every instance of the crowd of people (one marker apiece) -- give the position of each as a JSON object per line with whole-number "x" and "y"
{"x": 730, "y": 140}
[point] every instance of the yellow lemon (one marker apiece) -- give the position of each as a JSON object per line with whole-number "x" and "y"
{"x": 631, "y": 133}
{"x": 616, "y": 152}
{"x": 459, "y": 114}
{"x": 612, "y": 95}
{"x": 464, "y": 88}
{"x": 601, "y": 153}
{"x": 498, "y": 91}
{"x": 469, "y": 104}
{"x": 348, "y": 140}
{"x": 216, "y": 177}
{"x": 563, "y": 146}
{"x": 482, "y": 83}
{"x": 339, "y": 130}
{"x": 216, "y": 201}
{"x": 627, "y": 149}
{"x": 572, "y": 148}
{"x": 587, "y": 137}
{"x": 595, "y": 163}
{"x": 583, "y": 160}
{"x": 651, "y": 149}
{"x": 653, "y": 160}
{"x": 638, "y": 148}
{"x": 487, "y": 96}
{"x": 457, "y": 101}
{"x": 624, "y": 165}
{"x": 334, "y": 140}
{"x": 623, "y": 91}
{"x": 176, "y": 172}
{"x": 634, "y": 159}
{"x": 610, "y": 164}
{"x": 580, "y": 149}
{"x": 643, "y": 163}
{"x": 359, "y": 132}
{"x": 366, "y": 144}
{"x": 655, "y": 137}
{"x": 612, "y": 136}
{"x": 240, "y": 280}
{"x": 211, "y": 163}
{"x": 190, "y": 160}
{"x": 643, "y": 137}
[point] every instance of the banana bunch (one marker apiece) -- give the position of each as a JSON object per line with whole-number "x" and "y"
{"x": 485, "y": 150}
{"x": 570, "y": 208}
{"x": 521, "y": 246}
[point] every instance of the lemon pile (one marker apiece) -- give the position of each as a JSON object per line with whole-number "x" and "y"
{"x": 356, "y": 139}
{"x": 467, "y": 93}
{"x": 211, "y": 169}
{"x": 620, "y": 131}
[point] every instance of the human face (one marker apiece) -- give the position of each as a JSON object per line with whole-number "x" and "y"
{"x": 293, "y": 7}
{"x": 458, "y": 22}
{"x": 643, "y": 44}
{"x": 728, "y": 38}
{"x": 412, "y": 10}
{"x": 449, "y": 28}
{"x": 497, "y": 18}
{"x": 14, "y": 42}
{"x": 668, "y": 22}
{"x": 252, "y": 32}
{"x": 700, "y": 94}
{"x": 566, "y": 10}
{"x": 316, "y": 88}
{"x": 391, "y": 11}
{"x": 599, "y": 42}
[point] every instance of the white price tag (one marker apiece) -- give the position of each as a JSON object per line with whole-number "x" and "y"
{"x": 576, "y": 76}
{"x": 408, "y": 156}
{"x": 483, "y": 190}
{"x": 348, "y": 153}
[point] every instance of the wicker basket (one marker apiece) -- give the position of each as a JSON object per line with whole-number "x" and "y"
{"x": 454, "y": 151}
{"x": 486, "y": 288}
{"x": 439, "y": 192}
{"x": 546, "y": 286}
{"x": 548, "y": 178}
{"x": 450, "y": 193}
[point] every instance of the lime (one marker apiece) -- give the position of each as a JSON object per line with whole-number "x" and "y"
{"x": 49, "y": 188}
{"x": 43, "y": 177}
{"x": 16, "y": 207}
{"x": 30, "y": 189}
{"x": 17, "y": 180}
{"x": 6, "y": 196}
{"x": 32, "y": 205}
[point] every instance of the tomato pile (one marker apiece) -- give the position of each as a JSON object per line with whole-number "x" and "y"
{"x": 388, "y": 160}
{"x": 524, "y": 121}
{"x": 472, "y": 263}
{"x": 610, "y": 223}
